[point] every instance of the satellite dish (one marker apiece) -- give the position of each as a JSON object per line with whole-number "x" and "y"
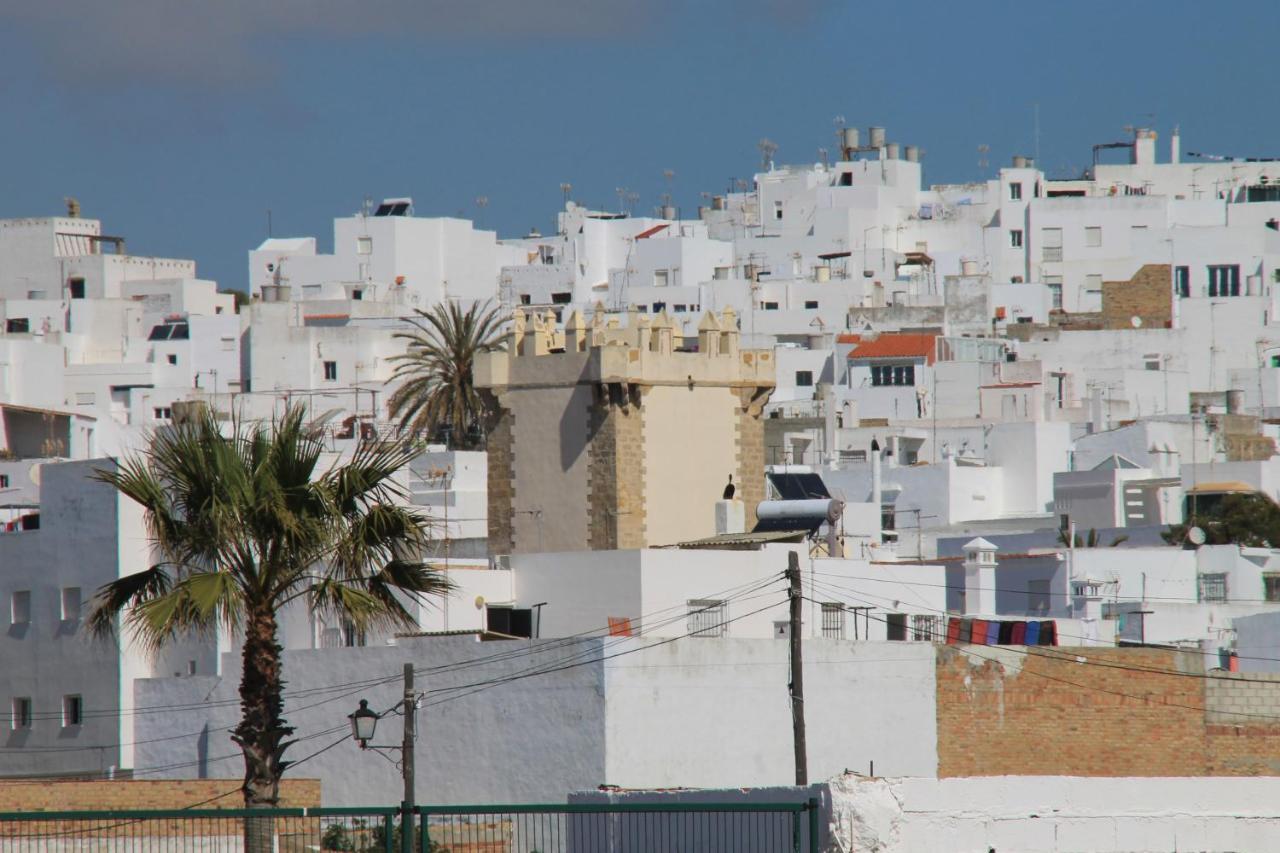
{"x": 1135, "y": 321}
{"x": 1195, "y": 536}
{"x": 479, "y": 602}
{"x": 34, "y": 474}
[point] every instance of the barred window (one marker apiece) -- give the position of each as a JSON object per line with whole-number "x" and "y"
{"x": 707, "y": 618}
{"x": 1213, "y": 587}
{"x": 833, "y": 620}
{"x": 926, "y": 628}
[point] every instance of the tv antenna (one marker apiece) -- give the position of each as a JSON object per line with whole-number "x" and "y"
{"x": 767, "y": 149}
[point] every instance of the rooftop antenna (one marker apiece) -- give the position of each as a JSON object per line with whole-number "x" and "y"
{"x": 822, "y": 156}
{"x": 482, "y": 201}
{"x": 839, "y": 122}
{"x": 1037, "y": 132}
{"x": 668, "y": 175}
{"x": 366, "y": 207}
{"x": 983, "y": 150}
{"x": 767, "y": 149}
{"x": 565, "y": 189}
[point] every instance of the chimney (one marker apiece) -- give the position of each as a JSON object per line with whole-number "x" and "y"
{"x": 875, "y": 474}
{"x": 731, "y": 517}
{"x": 1175, "y": 147}
{"x": 1144, "y": 147}
{"x": 979, "y": 578}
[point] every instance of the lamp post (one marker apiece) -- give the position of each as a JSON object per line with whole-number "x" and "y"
{"x": 364, "y": 723}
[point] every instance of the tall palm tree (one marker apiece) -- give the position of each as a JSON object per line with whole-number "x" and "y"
{"x": 245, "y": 524}
{"x": 438, "y": 393}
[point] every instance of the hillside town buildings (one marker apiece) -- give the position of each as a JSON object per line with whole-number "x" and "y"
{"x": 973, "y": 411}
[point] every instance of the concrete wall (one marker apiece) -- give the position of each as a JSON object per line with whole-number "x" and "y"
{"x": 1053, "y": 813}
{"x": 550, "y": 467}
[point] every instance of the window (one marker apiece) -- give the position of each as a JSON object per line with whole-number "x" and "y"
{"x": 4, "y": 481}
{"x": 1224, "y": 280}
{"x": 1271, "y": 586}
{"x": 1213, "y": 587}
{"x": 900, "y": 374}
{"x": 172, "y": 358}
{"x": 1015, "y": 192}
{"x": 1051, "y": 244}
{"x": 721, "y": 273}
{"x": 351, "y": 635}
{"x": 85, "y": 398}
{"x": 770, "y": 306}
{"x": 364, "y": 245}
{"x": 679, "y": 309}
{"x": 888, "y": 518}
{"x": 804, "y": 378}
{"x": 1182, "y": 281}
{"x": 1093, "y": 283}
{"x": 1038, "y": 596}
{"x": 20, "y": 607}
{"x": 658, "y": 307}
{"x": 72, "y": 710}
{"x": 1015, "y": 238}
{"x": 17, "y": 325}
{"x": 895, "y": 626}
{"x": 1093, "y": 236}
{"x": 707, "y": 618}
{"x": 660, "y": 278}
{"x": 1055, "y": 294}
{"x": 20, "y": 716}
{"x": 70, "y": 603}
{"x": 76, "y": 286}
{"x": 357, "y": 294}
{"x": 526, "y": 299}
{"x": 777, "y": 210}
{"x": 228, "y": 344}
{"x": 331, "y": 370}
{"x": 833, "y": 620}
{"x": 563, "y": 297}
{"x": 811, "y": 304}
{"x": 162, "y": 413}
{"x": 926, "y": 628}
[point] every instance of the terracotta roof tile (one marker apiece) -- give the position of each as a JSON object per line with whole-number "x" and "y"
{"x": 897, "y": 346}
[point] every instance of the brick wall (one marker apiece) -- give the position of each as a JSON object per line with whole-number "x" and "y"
{"x": 749, "y": 435}
{"x": 1004, "y": 711}
{"x": 1148, "y": 295}
{"x": 55, "y": 795}
{"x": 616, "y": 474}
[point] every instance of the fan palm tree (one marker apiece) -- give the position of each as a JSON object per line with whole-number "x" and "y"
{"x": 246, "y": 523}
{"x": 438, "y": 393}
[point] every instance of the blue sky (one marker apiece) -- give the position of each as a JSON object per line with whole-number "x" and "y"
{"x": 181, "y": 123}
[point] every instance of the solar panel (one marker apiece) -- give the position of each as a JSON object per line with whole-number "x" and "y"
{"x": 798, "y": 487}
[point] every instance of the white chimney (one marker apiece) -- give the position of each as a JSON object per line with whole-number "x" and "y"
{"x": 1175, "y": 147}
{"x": 980, "y": 578}
{"x": 731, "y": 517}
{"x": 875, "y": 473}
{"x": 1144, "y": 147}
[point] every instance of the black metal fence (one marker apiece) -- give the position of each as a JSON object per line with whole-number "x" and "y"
{"x": 573, "y": 828}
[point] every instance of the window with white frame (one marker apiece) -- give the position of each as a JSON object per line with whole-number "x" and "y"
{"x": 804, "y": 378}
{"x": 1093, "y": 236}
{"x": 707, "y": 618}
{"x": 20, "y": 713}
{"x": 20, "y": 607}
{"x": 1093, "y": 283}
{"x": 660, "y": 278}
{"x": 1054, "y": 283}
{"x": 1015, "y": 238}
{"x": 1182, "y": 281}
{"x": 331, "y": 371}
{"x": 1015, "y": 191}
{"x": 364, "y": 245}
{"x": 1224, "y": 279}
{"x": 833, "y": 620}
{"x": 893, "y": 374}
{"x": 72, "y": 710}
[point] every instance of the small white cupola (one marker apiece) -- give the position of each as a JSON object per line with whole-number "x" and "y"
{"x": 979, "y": 578}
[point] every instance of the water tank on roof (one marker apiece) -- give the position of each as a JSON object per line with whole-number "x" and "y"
{"x": 875, "y": 137}
{"x": 912, "y": 153}
{"x": 893, "y": 151}
{"x": 668, "y": 211}
{"x": 968, "y": 267}
{"x": 850, "y": 139}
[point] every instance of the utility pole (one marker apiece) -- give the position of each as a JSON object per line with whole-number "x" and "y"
{"x": 406, "y": 762}
{"x": 797, "y": 672}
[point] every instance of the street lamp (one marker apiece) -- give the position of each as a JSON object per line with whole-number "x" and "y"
{"x": 363, "y": 724}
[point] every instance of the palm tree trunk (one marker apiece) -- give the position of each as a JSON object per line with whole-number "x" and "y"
{"x": 262, "y": 730}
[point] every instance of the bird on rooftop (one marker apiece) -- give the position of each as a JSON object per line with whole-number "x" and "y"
{"x": 729, "y": 489}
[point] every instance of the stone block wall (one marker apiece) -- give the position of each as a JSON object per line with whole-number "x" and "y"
{"x": 1148, "y": 296}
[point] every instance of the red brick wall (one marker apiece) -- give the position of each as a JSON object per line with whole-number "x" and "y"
{"x": 1003, "y": 711}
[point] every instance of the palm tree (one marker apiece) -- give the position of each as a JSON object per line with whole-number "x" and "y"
{"x": 439, "y": 394}
{"x": 244, "y": 524}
